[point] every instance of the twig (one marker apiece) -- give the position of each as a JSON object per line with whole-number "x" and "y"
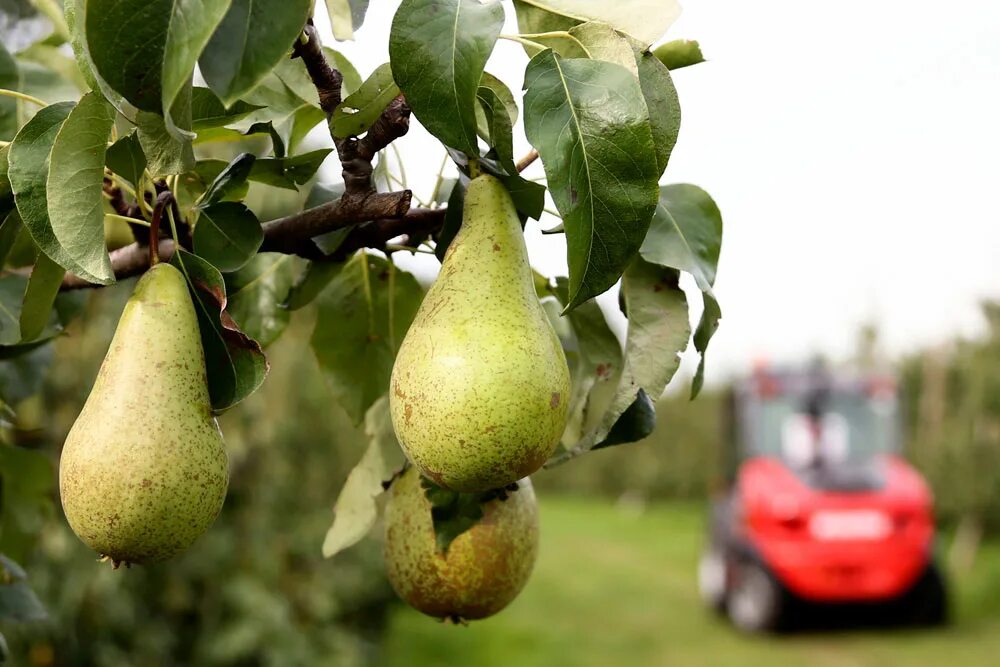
{"x": 526, "y": 161}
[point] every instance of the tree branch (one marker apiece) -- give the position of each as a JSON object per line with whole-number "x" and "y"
{"x": 377, "y": 219}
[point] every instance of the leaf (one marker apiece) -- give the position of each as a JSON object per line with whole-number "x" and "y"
{"x": 10, "y": 78}
{"x": 12, "y": 288}
{"x": 151, "y": 62}
{"x": 23, "y": 369}
{"x": 363, "y": 315}
{"x": 73, "y": 192}
{"x": 126, "y": 159}
{"x": 257, "y": 293}
{"x": 452, "y": 220}
{"x": 589, "y": 122}
{"x": 227, "y": 235}
{"x": 499, "y": 132}
{"x": 686, "y": 233}
{"x": 303, "y": 121}
{"x": 707, "y": 326}
{"x": 658, "y": 329}
{"x": 356, "y": 509}
{"x": 208, "y": 111}
{"x": 664, "y": 107}
{"x": 29, "y": 172}
{"x": 165, "y": 152}
{"x": 235, "y": 362}
{"x": 40, "y": 295}
{"x": 679, "y": 53}
{"x": 17, "y": 601}
{"x": 277, "y": 143}
{"x": 438, "y": 49}
{"x": 502, "y": 92}
{"x": 352, "y": 80}
{"x": 528, "y": 196}
{"x": 73, "y": 10}
{"x": 329, "y": 242}
{"x": 603, "y": 42}
{"x": 309, "y": 284}
{"x": 289, "y": 172}
{"x": 645, "y": 20}
{"x": 356, "y": 114}
{"x": 26, "y": 501}
{"x": 9, "y": 229}
{"x": 231, "y": 183}
{"x": 251, "y": 40}
{"x": 453, "y": 513}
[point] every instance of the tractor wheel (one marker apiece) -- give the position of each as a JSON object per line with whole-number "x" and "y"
{"x": 712, "y": 579}
{"x": 756, "y": 602}
{"x": 926, "y": 604}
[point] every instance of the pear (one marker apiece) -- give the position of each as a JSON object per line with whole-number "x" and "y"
{"x": 479, "y": 391}
{"x": 483, "y": 569}
{"x": 144, "y": 469}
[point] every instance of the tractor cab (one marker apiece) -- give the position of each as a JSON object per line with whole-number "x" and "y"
{"x": 819, "y": 507}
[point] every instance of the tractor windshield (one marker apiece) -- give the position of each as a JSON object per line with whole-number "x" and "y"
{"x": 844, "y": 426}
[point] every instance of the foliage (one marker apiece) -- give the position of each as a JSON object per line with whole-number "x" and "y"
{"x": 951, "y": 401}
{"x": 119, "y": 141}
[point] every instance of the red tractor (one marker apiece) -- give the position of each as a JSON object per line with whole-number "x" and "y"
{"x": 820, "y": 512}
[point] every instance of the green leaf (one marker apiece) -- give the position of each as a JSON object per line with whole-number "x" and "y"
{"x": 603, "y": 42}
{"x": 589, "y": 122}
{"x": 74, "y": 191}
{"x": 313, "y": 280}
{"x": 645, "y": 20}
{"x": 346, "y": 16}
{"x": 303, "y": 121}
{"x": 10, "y": 78}
{"x": 356, "y": 509}
{"x": 363, "y": 315}
{"x": 17, "y": 601}
{"x": 361, "y": 109}
{"x": 257, "y": 293}
{"x": 277, "y": 143}
{"x": 230, "y": 185}
{"x": 40, "y": 295}
{"x": 12, "y": 288}
{"x": 74, "y": 9}
{"x": 664, "y": 107}
{"x": 227, "y": 235}
{"x": 289, "y": 172}
{"x": 452, "y": 220}
{"x": 29, "y": 175}
{"x": 235, "y": 362}
{"x": 151, "y": 62}
{"x": 658, "y": 330}
{"x": 499, "y": 131}
{"x": 686, "y": 233}
{"x": 10, "y": 226}
{"x": 251, "y": 40}
{"x": 502, "y": 92}
{"x": 166, "y": 152}
{"x": 26, "y": 501}
{"x": 23, "y": 369}
{"x": 679, "y": 53}
{"x": 329, "y": 242}
{"x": 352, "y": 79}
{"x": 438, "y": 49}
{"x": 453, "y": 513}
{"x": 707, "y": 326}
{"x": 208, "y": 111}
{"x": 126, "y": 159}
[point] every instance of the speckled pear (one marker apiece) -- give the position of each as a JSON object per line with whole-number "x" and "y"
{"x": 144, "y": 470}
{"x": 483, "y": 569}
{"x": 480, "y": 388}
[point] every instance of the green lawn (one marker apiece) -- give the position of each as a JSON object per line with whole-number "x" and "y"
{"x": 618, "y": 589}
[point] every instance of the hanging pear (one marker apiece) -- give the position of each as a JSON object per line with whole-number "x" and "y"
{"x": 144, "y": 469}
{"x": 479, "y": 391}
{"x": 483, "y": 569}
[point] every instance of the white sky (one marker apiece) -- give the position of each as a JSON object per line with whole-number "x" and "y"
{"x": 853, "y": 149}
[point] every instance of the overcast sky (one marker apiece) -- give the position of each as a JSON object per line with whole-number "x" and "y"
{"x": 853, "y": 148}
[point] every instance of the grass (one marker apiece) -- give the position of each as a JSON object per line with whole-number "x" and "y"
{"x": 618, "y": 588}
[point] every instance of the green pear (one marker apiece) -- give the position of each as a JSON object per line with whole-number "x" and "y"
{"x": 144, "y": 469}
{"x": 483, "y": 569}
{"x": 480, "y": 389}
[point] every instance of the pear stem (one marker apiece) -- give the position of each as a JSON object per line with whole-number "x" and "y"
{"x": 154, "y": 228}
{"x": 474, "y": 169}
